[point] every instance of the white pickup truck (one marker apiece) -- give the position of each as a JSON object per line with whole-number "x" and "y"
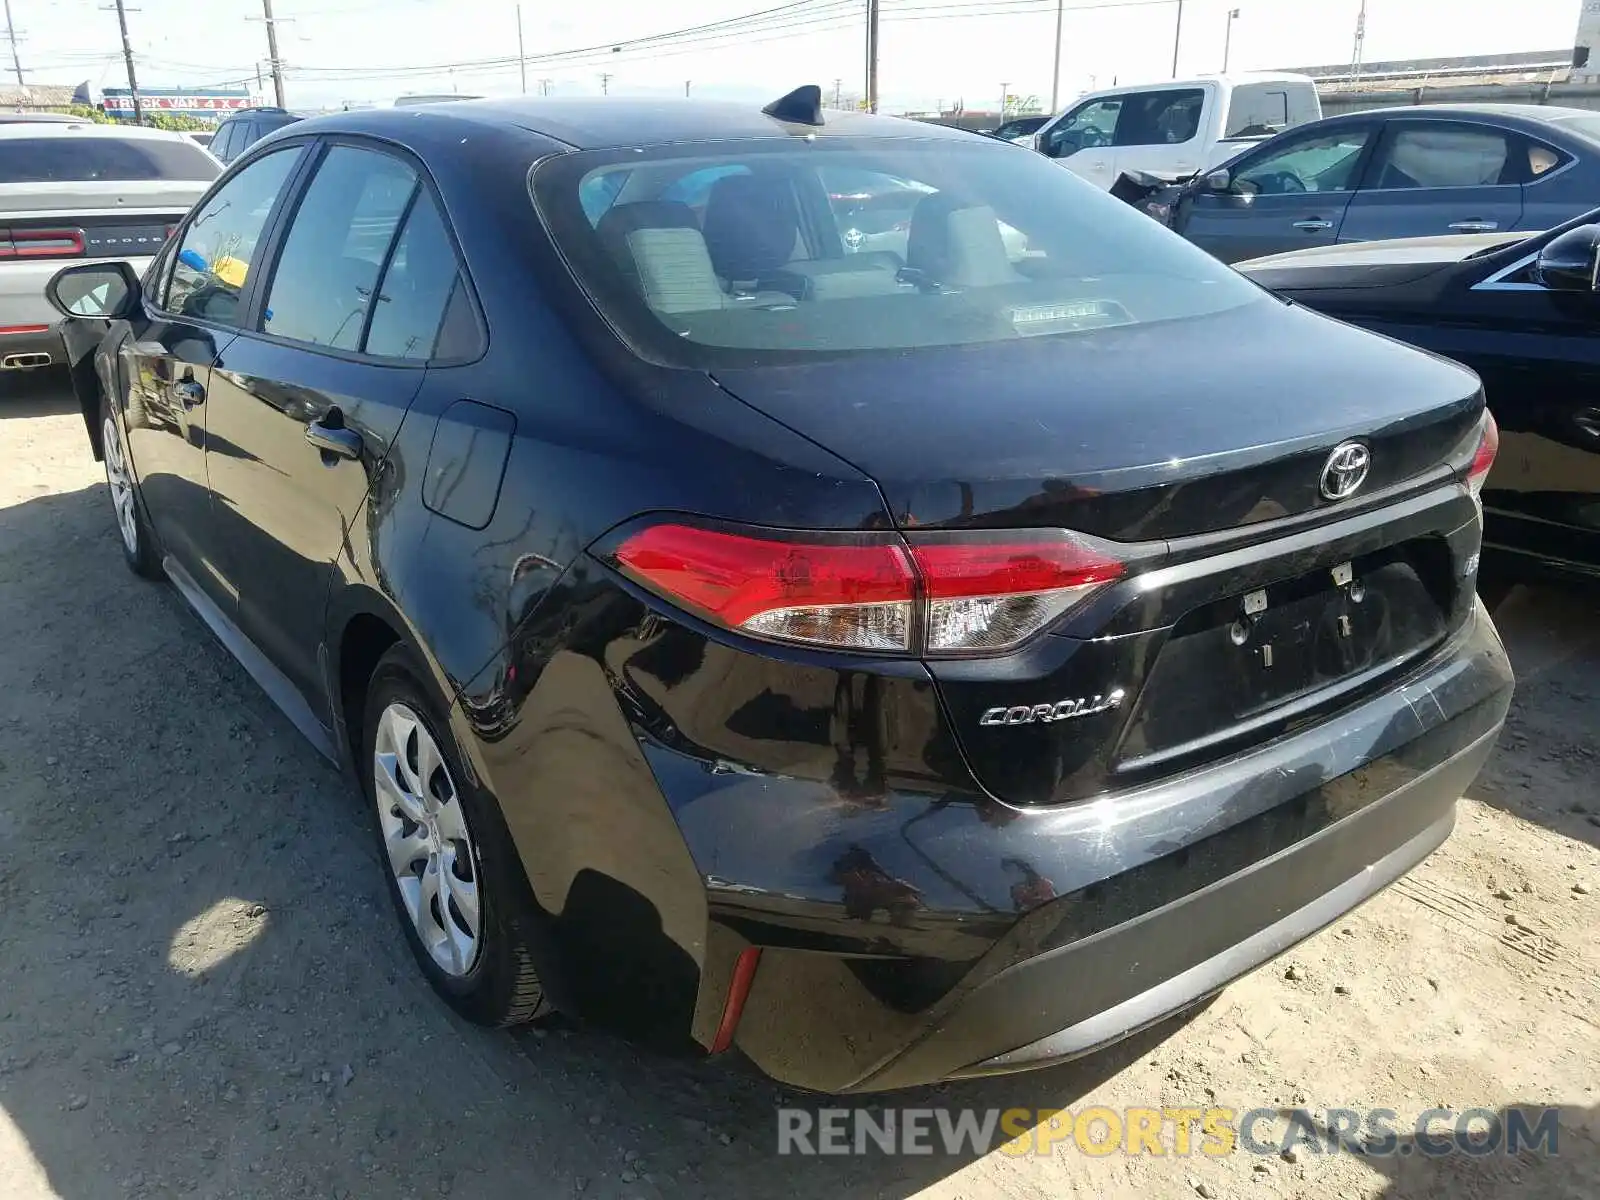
{"x": 1176, "y": 129}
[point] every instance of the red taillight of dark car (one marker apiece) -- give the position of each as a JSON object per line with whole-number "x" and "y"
{"x": 41, "y": 243}
{"x": 1483, "y": 458}
{"x": 937, "y": 594}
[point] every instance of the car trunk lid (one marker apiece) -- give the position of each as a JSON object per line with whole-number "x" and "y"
{"x": 1252, "y": 600}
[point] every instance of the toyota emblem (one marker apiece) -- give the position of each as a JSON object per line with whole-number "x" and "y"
{"x": 1345, "y": 471}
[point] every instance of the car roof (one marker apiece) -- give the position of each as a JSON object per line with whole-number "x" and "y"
{"x": 91, "y": 129}
{"x": 1538, "y": 113}
{"x": 606, "y": 123}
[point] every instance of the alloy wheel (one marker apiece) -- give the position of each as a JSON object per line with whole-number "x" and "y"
{"x": 120, "y": 482}
{"x": 430, "y": 848}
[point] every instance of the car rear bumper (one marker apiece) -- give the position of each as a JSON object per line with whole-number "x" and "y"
{"x": 1131, "y": 908}
{"x": 29, "y": 346}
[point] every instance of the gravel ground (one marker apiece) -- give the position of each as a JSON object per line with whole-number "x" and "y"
{"x": 202, "y": 991}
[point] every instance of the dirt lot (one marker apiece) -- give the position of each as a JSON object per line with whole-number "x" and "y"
{"x": 202, "y": 991}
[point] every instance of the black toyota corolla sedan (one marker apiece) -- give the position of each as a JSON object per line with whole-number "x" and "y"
{"x": 1521, "y": 311}
{"x": 898, "y": 663}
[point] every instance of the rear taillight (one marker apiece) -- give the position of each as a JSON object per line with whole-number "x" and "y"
{"x": 945, "y": 594}
{"x": 41, "y": 243}
{"x": 1483, "y": 457}
{"x": 990, "y": 591}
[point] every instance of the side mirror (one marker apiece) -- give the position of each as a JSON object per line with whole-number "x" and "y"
{"x": 108, "y": 290}
{"x": 1571, "y": 262}
{"x": 1219, "y": 180}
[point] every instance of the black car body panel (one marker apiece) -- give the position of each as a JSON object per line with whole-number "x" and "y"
{"x": 1475, "y": 301}
{"x": 932, "y": 891}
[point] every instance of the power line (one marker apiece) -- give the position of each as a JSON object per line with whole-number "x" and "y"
{"x": 804, "y": 18}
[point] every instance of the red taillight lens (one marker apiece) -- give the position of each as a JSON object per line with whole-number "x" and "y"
{"x": 989, "y": 592}
{"x": 858, "y": 595}
{"x": 966, "y": 593}
{"x": 1483, "y": 459}
{"x": 42, "y": 243}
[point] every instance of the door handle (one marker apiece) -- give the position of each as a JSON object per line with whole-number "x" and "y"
{"x": 330, "y": 436}
{"x": 189, "y": 393}
{"x": 1313, "y": 224}
{"x": 1474, "y": 226}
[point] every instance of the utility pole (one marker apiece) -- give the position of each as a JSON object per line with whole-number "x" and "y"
{"x": 1177, "y": 36}
{"x": 1055, "y": 78}
{"x": 1227, "y": 38}
{"x": 1361, "y": 37}
{"x": 686, "y": 84}
{"x": 872, "y": 56}
{"x": 522, "y": 56}
{"x": 273, "y": 61}
{"x": 1005, "y": 91}
{"x": 11, "y": 36}
{"x": 605, "y": 83}
{"x": 544, "y": 86}
{"x": 838, "y": 92}
{"x": 127, "y": 54}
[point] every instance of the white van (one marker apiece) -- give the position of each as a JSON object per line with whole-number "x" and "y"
{"x": 1175, "y": 129}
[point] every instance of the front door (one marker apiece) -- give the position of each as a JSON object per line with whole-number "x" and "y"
{"x": 305, "y": 405}
{"x": 1288, "y": 195}
{"x": 1081, "y": 140}
{"x": 1434, "y": 178}
{"x": 189, "y": 316}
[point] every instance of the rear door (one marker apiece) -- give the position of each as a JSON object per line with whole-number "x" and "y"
{"x": 1159, "y": 130}
{"x": 1291, "y": 193}
{"x": 1429, "y": 178}
{"x": 190, "y": 315}
{"x": 306, "y": 403}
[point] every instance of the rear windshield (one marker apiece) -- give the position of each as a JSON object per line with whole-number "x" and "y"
{"x": 1586, "y": 124}
{"x": 747, "y": 251}
{"x": 122, "y": 160}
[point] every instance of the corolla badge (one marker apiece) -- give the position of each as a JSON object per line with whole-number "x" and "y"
{"x": 1061, "y": 710}
{"x": 1345, "y": 471}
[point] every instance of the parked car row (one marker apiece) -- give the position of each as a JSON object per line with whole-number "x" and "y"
{"x": 896, "y": 664}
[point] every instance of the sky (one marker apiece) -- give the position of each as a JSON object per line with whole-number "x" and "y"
{"x": 932, "y": 52}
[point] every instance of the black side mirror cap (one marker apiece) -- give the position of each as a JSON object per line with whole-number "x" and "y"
{"x": 1571, "y": 262}
{"x": 102, "y": 290}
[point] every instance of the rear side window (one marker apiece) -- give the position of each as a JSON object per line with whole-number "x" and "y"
{"x": 328, "y": 272}
{"x": 112, "y": 159}
{"x": 1440, "y": 155}
{"x": 422, "y": 279}
{"x": 1160, "y": 118}
{"x": 220, "y": 244}
{"x": 222, "y": 143}
{"x": 1257, "y": 110}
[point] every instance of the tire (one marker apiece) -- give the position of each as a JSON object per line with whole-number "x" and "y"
{"x": 488, "y": 976}
{"x": 139, "y": 549}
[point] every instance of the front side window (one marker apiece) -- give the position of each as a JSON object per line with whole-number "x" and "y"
{"x": 328, "y": 272}
{"x": 1438, "y": 154}
{"x": 783, "y": 261}
{"x": 1167, "y": 118}
{"x": 1326, "y": 162}
{"x": 1090, "y": 125}
{"x": 221, "y": 242}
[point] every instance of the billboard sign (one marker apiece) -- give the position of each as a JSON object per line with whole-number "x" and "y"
{"x": 200, "y": 102}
